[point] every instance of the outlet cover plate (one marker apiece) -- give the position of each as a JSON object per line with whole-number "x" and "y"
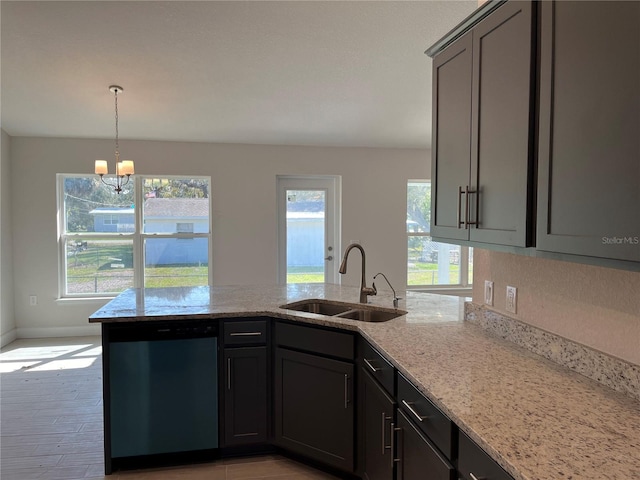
{"x": 488, "y": 292}
{"x": 512, "y": 299}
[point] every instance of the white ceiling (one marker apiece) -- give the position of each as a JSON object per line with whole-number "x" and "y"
{"x": 272, "y": 72}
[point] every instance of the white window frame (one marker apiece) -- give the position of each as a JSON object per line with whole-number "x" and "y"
{"x": 137, "y": 237}
{"x": 462, "y": 288}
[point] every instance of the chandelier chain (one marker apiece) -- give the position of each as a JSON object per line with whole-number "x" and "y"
{"x": 117, "y": 143}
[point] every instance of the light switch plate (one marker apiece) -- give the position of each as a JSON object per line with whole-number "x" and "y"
{"x": 512, "y": 299}
{"x": 488, "y": 292}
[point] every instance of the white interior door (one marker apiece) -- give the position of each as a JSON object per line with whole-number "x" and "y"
{"x": 308, "y": 229}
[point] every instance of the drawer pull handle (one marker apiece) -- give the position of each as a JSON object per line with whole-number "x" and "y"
{"x": 371, "y": 366}
{"x": 415, "y": 414}
{"x": 245, "y": 334}
{"x": 473, "y": 477}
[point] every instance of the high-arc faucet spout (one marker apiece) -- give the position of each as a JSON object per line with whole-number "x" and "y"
{"x": 364, "y": 290}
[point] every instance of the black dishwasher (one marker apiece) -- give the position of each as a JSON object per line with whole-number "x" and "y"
{"x": 161, "y": 391}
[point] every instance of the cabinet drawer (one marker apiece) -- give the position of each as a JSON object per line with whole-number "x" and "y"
{"x": 435, "y": 424}
{"x": 378, "y": 366}
{"x": 245, "y": 332}
{"x": 473, "y": 462}
{"x": 315, "y": 340}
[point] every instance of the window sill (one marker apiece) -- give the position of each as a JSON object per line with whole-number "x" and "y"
{"x": 454, "y": 291}
{"x": 66, "y": 301}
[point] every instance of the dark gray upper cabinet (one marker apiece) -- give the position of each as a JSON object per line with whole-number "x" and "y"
{"x": 483, "y": 131}
{"x": 589, "y": 140}
{"x": 451, "y": 140}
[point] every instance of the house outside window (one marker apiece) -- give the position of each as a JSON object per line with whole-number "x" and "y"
{"x": 108, "y": 245}
{"x": 432, "y": 265}
{"x": 184, "y": 227}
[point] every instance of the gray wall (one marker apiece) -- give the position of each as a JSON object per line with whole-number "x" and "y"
{"x": 243, "y": 211}
{"x": 7, "y": 319}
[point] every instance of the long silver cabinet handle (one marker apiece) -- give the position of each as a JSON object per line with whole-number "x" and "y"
{"x": 459, "y": 208}
{"x": 393, "y": 443}
{"x": 368, "y": 363}
{"x": 415, "y": 414}
{"x": 229, "y": 373}
{"x": 467, "y": 222}
{"x": 473, "y": 477}
{"x": 384, "y": 423}
{"x": 393, "y": 431}
{"x": 346, "y": 391}
{"x": 245, "y": 334}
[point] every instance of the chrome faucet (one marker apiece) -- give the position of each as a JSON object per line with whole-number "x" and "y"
{"x": 364, "y": 290}
{"x": 395, "y": 297}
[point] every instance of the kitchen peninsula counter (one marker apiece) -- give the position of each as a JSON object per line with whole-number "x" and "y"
{"x": 538, "y": 420}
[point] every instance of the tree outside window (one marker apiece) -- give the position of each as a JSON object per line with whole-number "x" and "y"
{"x": 431, "y": 264}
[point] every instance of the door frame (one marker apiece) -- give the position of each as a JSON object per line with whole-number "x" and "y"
{"x": 332, "y": 185}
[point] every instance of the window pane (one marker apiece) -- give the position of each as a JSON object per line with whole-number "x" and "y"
{"x": 305, "y": 236}
{"x": 432, "y": 263}
{"x": 98, "y": 266}
{"x": 418, "y": 206}
{"x": 176, "y": 262}
{"x": 91, "y": 206}
{"x": 170, "y": 204}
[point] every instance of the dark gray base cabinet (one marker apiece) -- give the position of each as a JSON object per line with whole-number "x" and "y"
{"x": 314, "y": 407}
{"x": 245, "y": 396}
{"x": 473, "y": 462}
{"x": 418, "y": 458}
{"x": 377, "y": 410}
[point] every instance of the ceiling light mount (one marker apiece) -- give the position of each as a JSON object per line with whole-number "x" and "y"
{"x": 124, "y": 168}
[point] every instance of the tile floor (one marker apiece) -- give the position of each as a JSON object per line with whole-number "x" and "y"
{"x": 51, "y": 421}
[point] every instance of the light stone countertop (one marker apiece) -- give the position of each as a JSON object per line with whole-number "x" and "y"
{"x": 539, "y": 420}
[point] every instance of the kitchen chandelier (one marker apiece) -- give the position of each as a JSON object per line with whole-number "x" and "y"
{"x": 124, "y": 168}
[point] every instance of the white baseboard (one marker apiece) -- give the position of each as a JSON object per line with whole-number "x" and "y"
{"x": 8, "y": 337}
{"x": 55, "y": 332}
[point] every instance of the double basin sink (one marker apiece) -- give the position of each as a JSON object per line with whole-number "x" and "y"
{"x": 352, "y": 311}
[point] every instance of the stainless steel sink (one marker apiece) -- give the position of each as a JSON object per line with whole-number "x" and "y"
{"x": 352, "y": 311}
{"x": 370, "y": 315}
{"x": 317, "y": 306}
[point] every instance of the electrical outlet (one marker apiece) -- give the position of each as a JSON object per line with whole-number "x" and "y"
{"x": 488, "y": 292}
{"x": 512, "y": 299}
{"x": 33, "y": 300}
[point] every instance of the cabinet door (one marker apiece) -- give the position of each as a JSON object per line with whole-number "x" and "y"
{"x": 418, "y": 458}
{"x": 245, "y": 396}
{"x": 589, "y": 152}
{"x": 377, "y": 410}
{"x": 502, "y": 130}
{"x": 451, "y": 139}
{"x": 314, "y": 410}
